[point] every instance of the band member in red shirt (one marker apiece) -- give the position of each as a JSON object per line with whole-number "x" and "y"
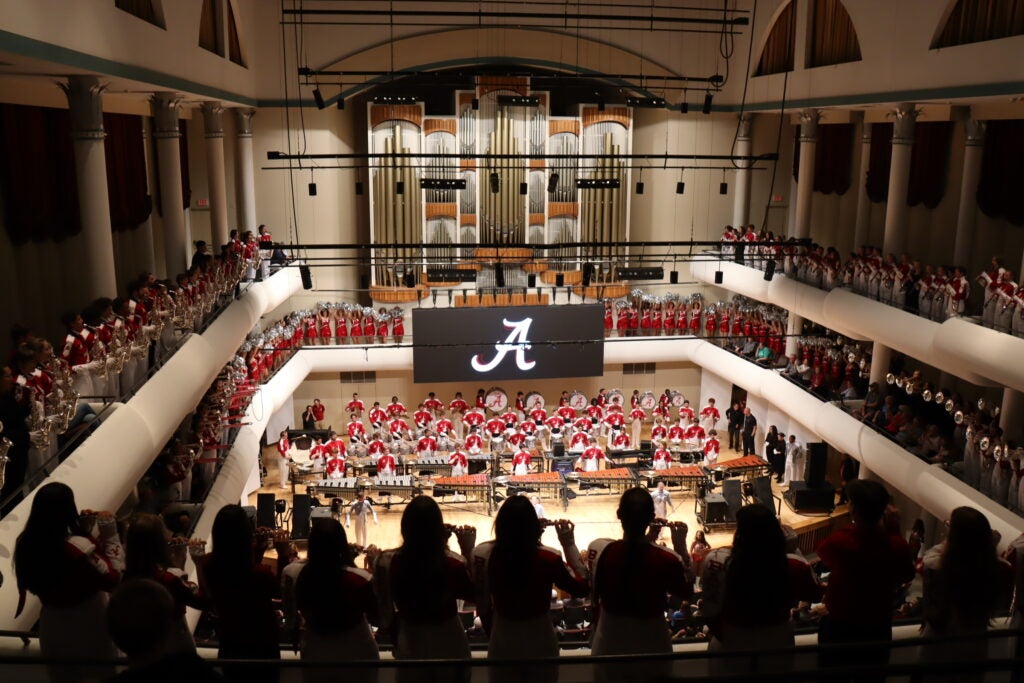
{"x": 283, "y": 448}
{"x": 319, "y": 412}
{"x": 355, "y": 406}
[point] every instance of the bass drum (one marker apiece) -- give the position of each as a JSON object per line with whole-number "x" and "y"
{"x": 534, "y": 400}
{"x": 496, "y": 400}
{"x": 615, "y": 397}
{"x": 676, "y": 399}
{"x": 578, "y": 400}
{"x": 648, "y": 401}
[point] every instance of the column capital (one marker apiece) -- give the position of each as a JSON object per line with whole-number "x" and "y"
{"x": 905, "y": 117}
{"x": 809, "y": 124}
{"x": 865, "y": 134}
{"x": 744, "y": 122}
{"x": 243, "y": 121}
{"x": 213, "y": 125}
{"x": 85, "y": 102}
{"x": 166, "y": 106}
{"x": 975, "y": 132}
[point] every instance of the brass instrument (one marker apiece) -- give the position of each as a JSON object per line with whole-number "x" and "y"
{"x": 984, "y": 443}
{"x": 958, "y": 417}
{"x": 99, "y": 354}
{"x": 940, "y": 397}
{"x": 909, "y": 387}
{"x": 949, "y": 405}
{"x": 890, "y": 378}
{"x": 38, "y": 428}
{"x": 927, "y": 395}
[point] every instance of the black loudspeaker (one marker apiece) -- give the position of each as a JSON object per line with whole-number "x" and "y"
{"x": 719, "y": 277}
{"x": 302, "y": 508}
{"x": 739, "y": 252}
{"x": 769, "y": 270}
{"x": 803, "y": 498}
{"x": 312, "y": 189}
{"x": 531, "y": 280}
{"x": 560, "y": 280}
{"x": 307, "y": 277}
{"x": 716, "y": 511}
{"x": 816, "y": 463}
{"x": 673, "y": 277}
{"x": 732, "y": 493}
{"x": 265, "y": 510}
{"x": 558, "y": 449}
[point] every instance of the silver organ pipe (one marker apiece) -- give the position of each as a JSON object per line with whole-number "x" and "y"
{"x": 397, "y": 217}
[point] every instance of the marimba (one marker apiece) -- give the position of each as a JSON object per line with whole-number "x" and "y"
{"x": 620, "y": 477}
{"x": 477, "y": 484}
{"x": 552, "y": 482}
{"x": 686, "y": 476}
{"x": 748, "y": 466}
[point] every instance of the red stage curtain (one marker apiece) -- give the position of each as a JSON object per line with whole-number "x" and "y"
{"x": 130, "y": 203}
{"x": 1002, "y": 171}
{"x": 833, "y": 158}
{"x": 833, "y": 40}
{"x": 975, "y": 21}
{"x": 777, "y": 55}
{"x": 929, "y": 162}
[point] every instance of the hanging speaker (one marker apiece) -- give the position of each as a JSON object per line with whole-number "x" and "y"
{"x": 400, "y": 187}
{"x": 769, "y": 270}
{"x": 588, "y": 273}
{"x": 680, "y": 187}
{"x": 341, "y": 103}
{"x": 307, "y": 277}
{"x": 552, "y": 182}
{"x": 719, "y": 277}
{"x": 723, "y": 188}
{"x": 499, "y": 276}
{"x": 410, "y": 280}
{"x": 640, "y": 188}
{"x": 531, "y": 280}
{"x": 318, "y": 98}
{"x": 359, "y": 187}
{"x": 523, "y": 188}
{"x": 312, "y": 189}
{"x": 475, "y": 104}
{"x": 364, "y": 282}
{"x": 559, "y": 279}
{"x": 673, "y": 277}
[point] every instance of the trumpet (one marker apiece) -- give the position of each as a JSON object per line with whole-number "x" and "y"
{"x": 927, "y": 395}
{"x": 949, "y": 405}
{"x": 958, "y": 417}
{"x": 940, "y": 397}
{"x": 984, "y": 443}
{"x": 890, "y": 378}
{"x": 909, "y": 387}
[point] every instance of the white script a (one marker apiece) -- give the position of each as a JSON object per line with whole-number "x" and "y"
{"x": 516, "y": 341}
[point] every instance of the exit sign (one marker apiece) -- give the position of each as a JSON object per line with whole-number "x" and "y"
{"x": 775, "y": 198}
{"x": 202, "y": 203}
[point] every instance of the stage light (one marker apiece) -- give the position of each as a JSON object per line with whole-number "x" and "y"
{"x": 684, "y": 107}
{"x": 400, "y": 187}
{"x": 600, "y": 105}
{"x": 719, "y": 277}
{"x": 640, "y": 187}
{"x": 307, "y": 278}
{"x": 723, "y": 188}
{"x": 495, "y": 182}
{"x": 341, "y": 103}
{"x": 318, "y": 98}
{"x": 312, "y": 189}
{"x": 708, "y": 97}
{"x": 673, "y": 277}
{"x": 680, "y": 187}
{"x": 523, "y": 188}
{"x": 552, "y": 182}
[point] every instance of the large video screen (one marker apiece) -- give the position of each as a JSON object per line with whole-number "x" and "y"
{"x": 516, "y": 342}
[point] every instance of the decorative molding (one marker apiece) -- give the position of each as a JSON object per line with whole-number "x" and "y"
{"x": 809, "y": 125}
{"x": 243, "y": 121}
{"x": 166, "y": 106}
{"x": 975, "y": 132}
{"x": 744, "y": 122}
{"x": 903, "y": 129}
{"x": 85, "y": 101}
{"x": 213, "y": 123}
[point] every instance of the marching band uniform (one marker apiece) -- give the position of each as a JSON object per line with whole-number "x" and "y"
{"x": 794, "y": 470}
{"x": 1004, "y": 303}
{"x": 957, "y": 289}
{"x": 591, "y": 458}
{"x": 474, "y": 418}
{"x": 283, "y": 450}
{"x": 474, "y": 443}
{"x": 676, "y": 434}
{"x": 709, "y": 415}
{"x": 694, "y": 437}
{"x": 458, "y": 408}
{"x": 662, "y": 458}
{"x": 422, "y": 418}
{"x": 395, "y": 408}
{"x": 637, "y": 417}
{"x": 620, "y": 441}
{"x": 989, "y": 281}
{"x": 355, "y": 406}
{"x": 386, "y": 465}
{"x": 433, "y": 404}
{"x": 711, "y": 451}
{"x": 521, "y": 463}
{"x": 426, "y": 446}
{"x": 579, "y": 442}
{"x": 335, "y": 467}
{"x": 360, "y": 509}
{"x": 445, "y": 428}
{"x": 378, "y": 417}
{"x": 398, "y": 428}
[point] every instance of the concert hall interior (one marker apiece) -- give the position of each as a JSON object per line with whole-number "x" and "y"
{"x": 736, "y": 254}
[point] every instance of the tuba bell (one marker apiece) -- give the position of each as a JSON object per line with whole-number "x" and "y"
{"x": 949, "y": 405}
{"x": 958, "y": 417}
{"x": 890, "y": 378}
{"x": 927, "y": 395}
{"x": 940, "y": 397}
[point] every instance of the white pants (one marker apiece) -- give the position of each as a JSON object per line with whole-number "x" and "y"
{"x": 282, "y": 466}
{"x": 634, "y": 439}
{"x": 360, "y": 529}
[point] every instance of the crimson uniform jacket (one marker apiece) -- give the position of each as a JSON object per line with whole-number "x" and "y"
{"x": 579, "y": 439}
{"x": 458, "y": 405}
{"x": 458, "y": 459}
{"x": 495, "y": 426}
{"x": 355, "y": 429}
{"x": 319, "y": 411}
{"x": 354, "y": 406}
{"x": 422, "y": 418}
{"x": 662, "y": 455}
{"x": 386, "y": 464}
{"x": 444, "y": 426}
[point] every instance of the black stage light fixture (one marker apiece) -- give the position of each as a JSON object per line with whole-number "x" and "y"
{"x": 646, "y": 102}
{"x": 409, "y": 279}
{"x": 523, "y": 188}
{"x": 719, "y": 277}
{"x": 559, "y": 281}
{"x": 597, "y": 183}
{"x": 588, "y": 273}
{"x": 495, "y": 182}
{"x": 723, "y": 188}
{"x": 655, "y": 273}
{"x": 640, "y": 187}
{"x": 552, "y": 182}
{"x": 673, "y": 277}
{"x": 680, "y": 187}
{"x": 312, "y": 189}
{"x": 442, "y": 183}
{"x": 684, "y": 107}
{"x": 451, "y": 275}
{"x": 359, "y": 187}
{"x": 518, "y": 101}
{"x": 531, "y": 280}
{"x": 318, "y": 98}
{"x": 340, "y": 103}
{"x": 600, "y": 105}
{"x": 499, "y": 276}
{"x": 307, "y": 277}
{"x": 475, "y": 104}
{"x": 769, "y": 270}
{"x": 400, "y": 187}
{"x": 708, "y": 97}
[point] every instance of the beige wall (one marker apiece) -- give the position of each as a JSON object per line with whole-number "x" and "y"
{"x": 683, "y": 377}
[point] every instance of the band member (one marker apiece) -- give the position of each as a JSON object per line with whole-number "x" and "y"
{"x": 591, "y": 457}
{"x": 662, "y": 458}
{"x": 376, "y": 447}
{"x": 481, "y": 400}
{"x": 685, "y": 413}
{"x": 284, "y": 447}
{"x": 496, "y": 428}
{"x": 422, "y": 417}
{"x": 709, "y": 415}
{"x": 458, "y": 408}
{"x": 319, "y": 412}
{"x": 334, "y": 442}
{"x": 474, "y": 418}
{"x": 675, "y": 435}
{"x": 658, "y": 430}
{"x": 566, "y": 412}
{"x": 395, "y": 408}
{"x": 555, "y": 427}
{"x": 335, "y": 466}
{"x": 318, "y": 453}
{"x": 433, "y": 404}
{"x": 538, "y": 415}
{"x": 360, "y": 509}
{"x": 619, "y": 441}
{"x": 520, "y": 406}
{"x": 459, "y": 463}
{"x": 398, "y": 428}
{"x": 378, "y": 416}
{"x": 711, "y": 449}
{"x": 474, "y": 442}
{"x": 636, "y": 417}
{"x": 426, "y": 446}
{"x": 579, "y": 442}
{"x": 445, "y": 428}
{"x": 356, "y": 431}
{"x": 694, "y": 436}
{"x": 355, "y": 407}
{"x": 385, "y": 463}
{"x": 521, "y": 462}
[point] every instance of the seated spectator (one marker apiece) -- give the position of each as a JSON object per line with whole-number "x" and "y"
{"x": 142, "y": 620}
{"x": 763, "y": 355}
{"x": 805, "y": 371}
{"x": 749, "y": 347}
{"x": 886, "y": 412}
{"x": 900, "y": 417}
{"x": 909, "y": 435}
{"x": 792, "y": 369}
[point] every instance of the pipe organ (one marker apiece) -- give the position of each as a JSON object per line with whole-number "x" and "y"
{"x": 506, "y": 200}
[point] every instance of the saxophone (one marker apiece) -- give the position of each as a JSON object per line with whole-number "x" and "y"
{"x": 38, "y": 428}
{"x": 99, "y": 354}
{"x": 5, "y": 446}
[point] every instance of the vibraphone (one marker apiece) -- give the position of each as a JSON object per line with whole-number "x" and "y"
{"x": 627, "y": 457}
{"x": 402, "y": 487}
{"x": 748, "y": 467}
{"x": 686, "y": 476}
{"x": 432, "y": 466}
{"x": 552, "y": 482}
{"x": 619, "y": 477}
{"x": 344, "y": 487}
{"x": 477, "y": 484}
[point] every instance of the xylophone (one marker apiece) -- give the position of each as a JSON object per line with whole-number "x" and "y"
{"x": 748, "y": 466}
{"x": 403, "y": 486}
{"x": 627, "y": 457}
{"x": 478, "y": 484}
{"x": 686, "y": 476}
{"x": 554, "y": 482}
{"x": 345, "y": 487}
{"x": 621, "y": 477}
{"x": 434, "y": 465}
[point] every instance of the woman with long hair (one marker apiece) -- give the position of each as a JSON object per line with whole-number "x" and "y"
{"x": 419, "y": 585}
{"x": 242, "y": 593}
{"x": 631, "y": 580}
{"x": 57, "y": 559}
{"x": 147, "y": 556}
{"x": 335, "y": 600}
{"x": 513, "y": 575}
{"x": 741, "y": 613}
{"x": 964, "y": 580}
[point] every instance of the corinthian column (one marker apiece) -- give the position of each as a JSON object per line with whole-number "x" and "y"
{"x": 967, "y": 216}
{"x": 245, "y": 181}
{"x": 214, "y": 133}
{"x": 168, "y": 139}
{"x": 741, "y": 198}
{"x": 860, "y": 232}
{"x": 805, "y": 184}
{"x": 895, "y": 241}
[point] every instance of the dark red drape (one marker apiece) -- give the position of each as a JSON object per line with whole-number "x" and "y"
{"x": 130, "y": 203}
{"x": 186, "y": 184}
{"x": 37, "y": 174}
{"x": 833, "y": 158}
{"x": 780, "y": 46}
{"x": 1002, "y": 171}
{"x": 929, "y": 162}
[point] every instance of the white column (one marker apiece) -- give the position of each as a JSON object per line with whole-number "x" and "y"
{"x": 97, "y": 274}
{"x": 967, "y": 215}
{"x": 1011, "y": 415}
{"x": 214, "y": 134}
{"x": 860, "y": 232}
{"x": 744, "y": 147}
{"x": 794, "y": 326}
{"x": 245, "y": 180}
{"x": 168, "y": 138}
{"x": 881, "y": 359}
{"x": 805, "y": 184}
{"x": 145, "y": 255}
{"x": 895, "y": 241}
